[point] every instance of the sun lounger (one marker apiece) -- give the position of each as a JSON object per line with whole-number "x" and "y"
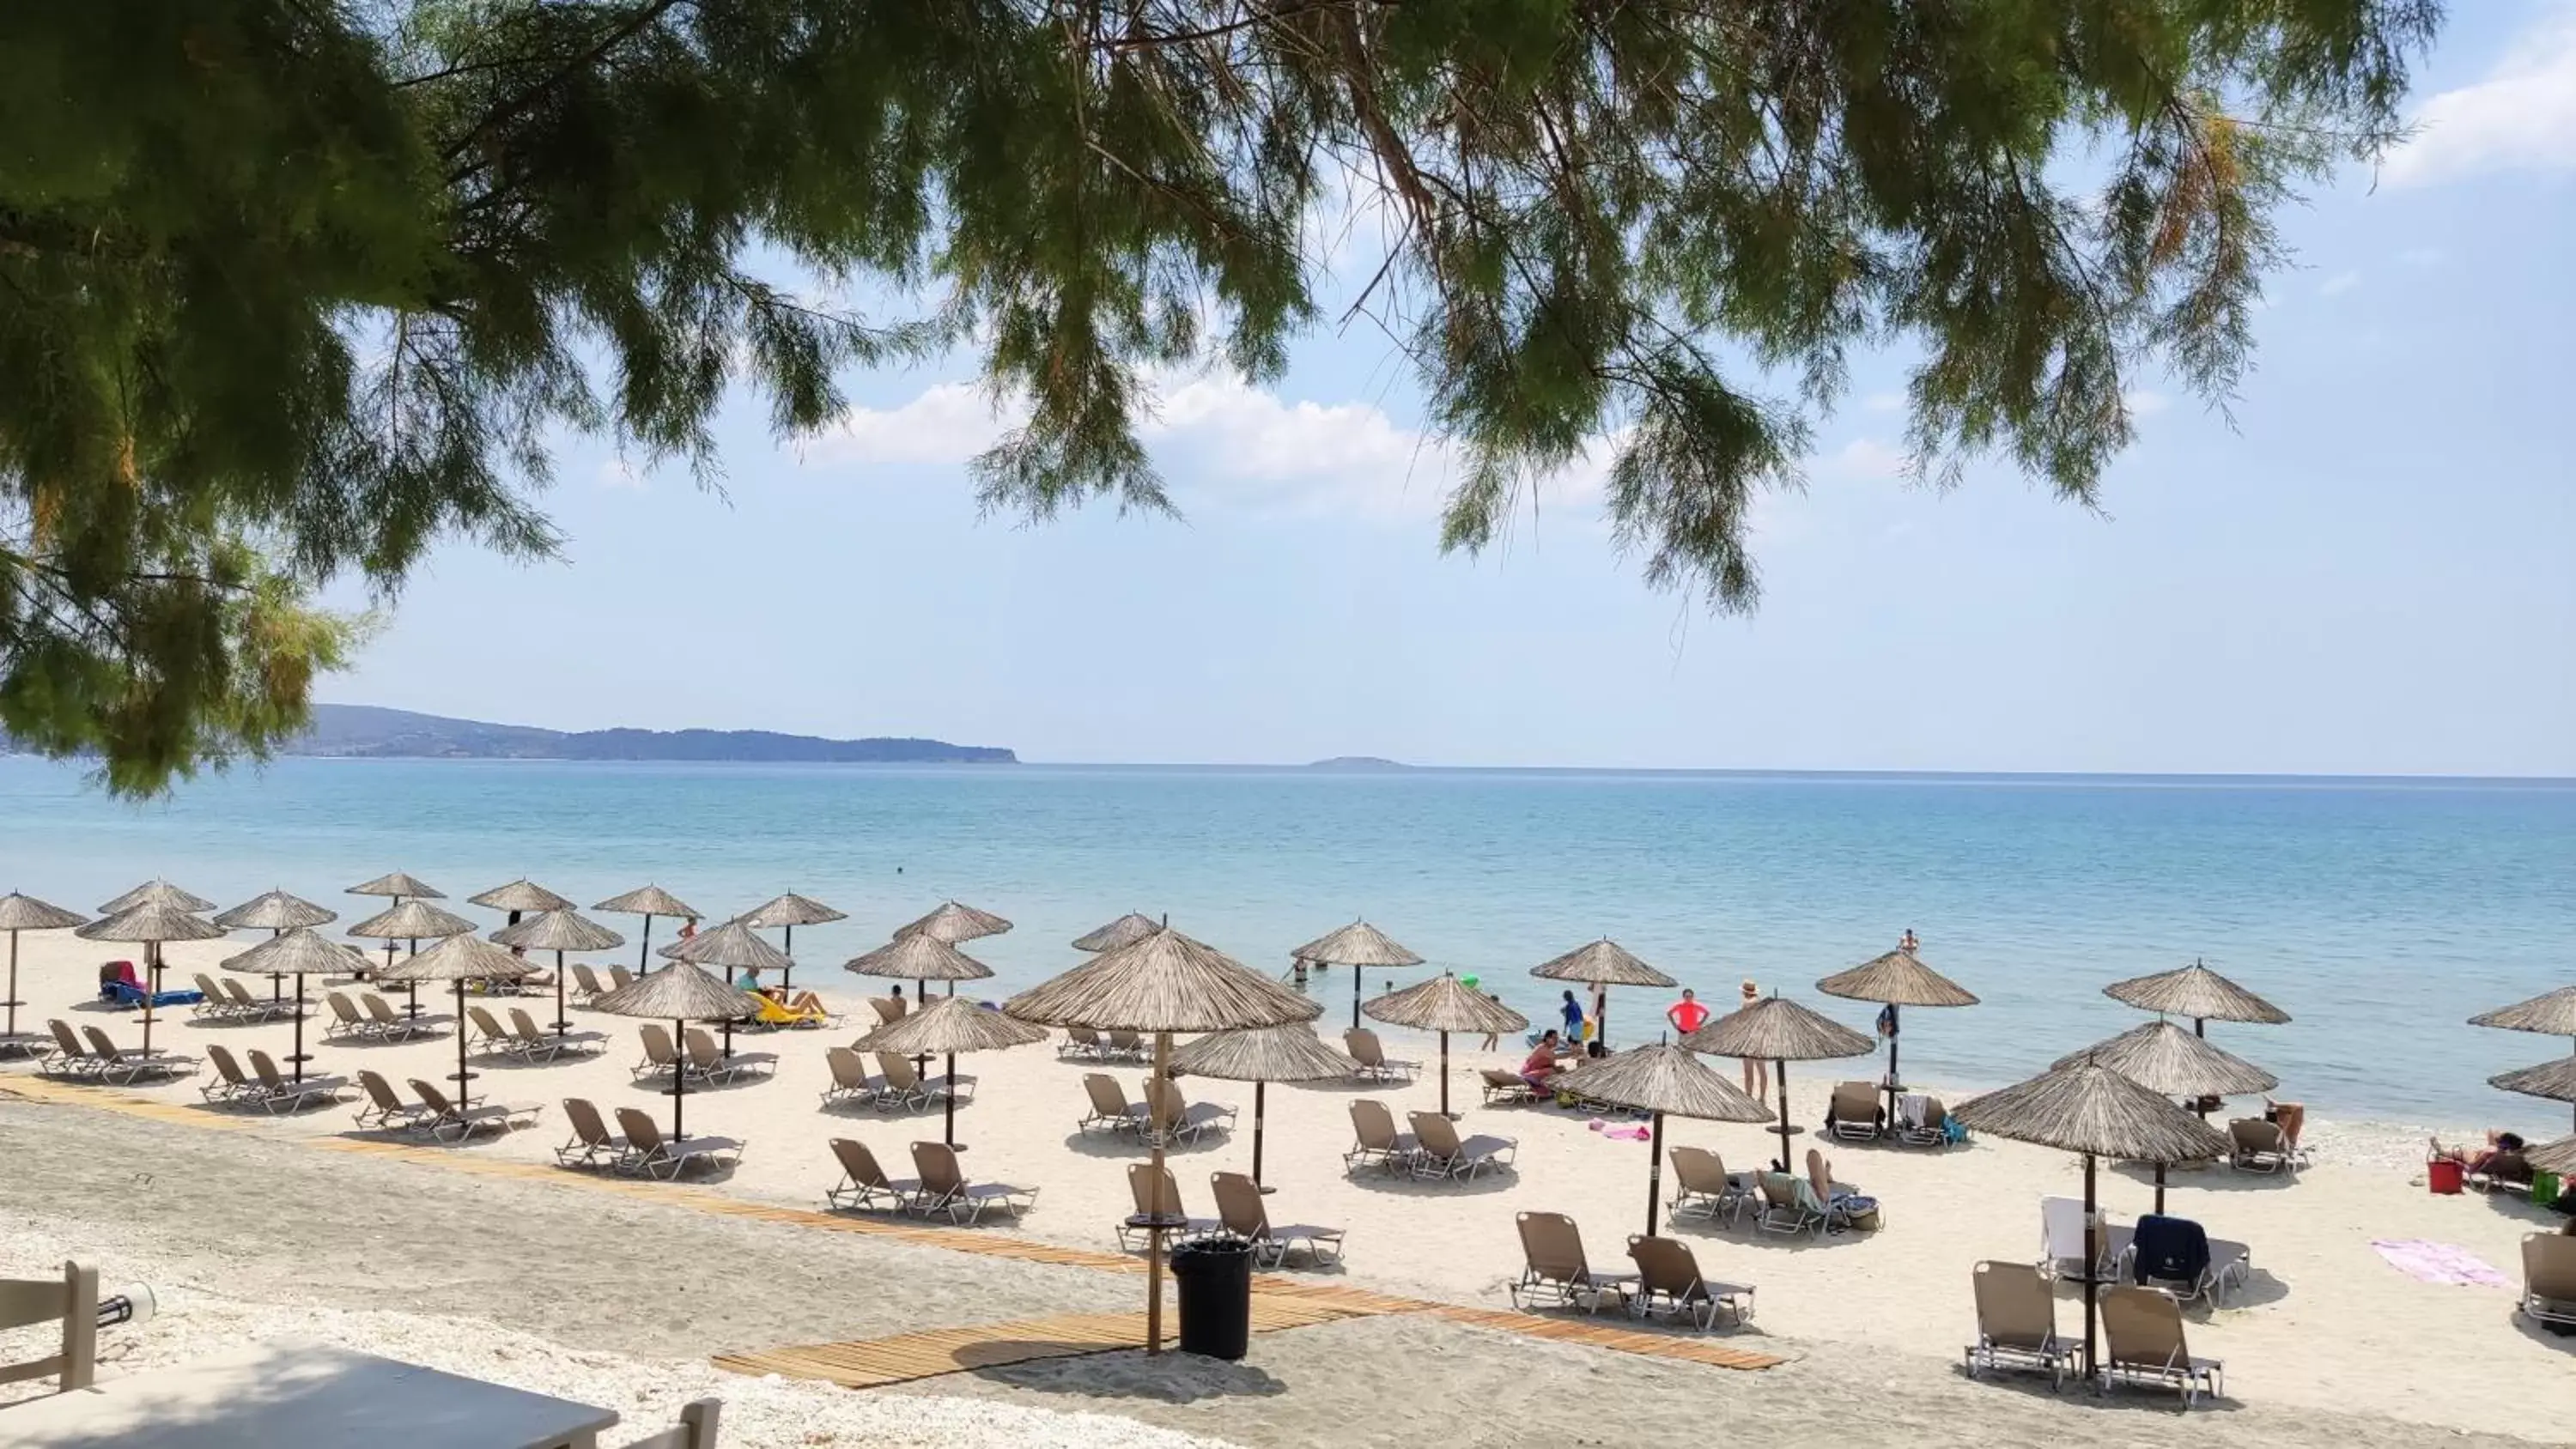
{"x": 585, "y": 985}
{"x": 1842, "y": 1204}
{"x": 1853, "y": 1112}
{"x": 1374, "y": 1064}
{"x": 850, "y": 1079}
{"x": 1080, "y": 1044}
{"x": 1244, "y": 1213}
{"x": 71, "y": 1297}
{"x": 2176, "y": 1254}
{"x": 696, "y": 1429}
{"x": 654, "y": 1156}
{"x": 1177, "y": 1119}
{"x": 383, "y": 1107}
{"x": 394, "y": 1026}
{"x": 864, "y": 1184}
{"x": 591, "y": 1143}
{"x": 2062, "y": 1250}
{"x": 2017, "y": 1324}
{"x": 347, "y": 1022}
{"x": 1376, "y": 1142}
{"x": 619, "y": 976}
{"x": 277, "y": 1093}
{"x": 903, "y": 1088}
{"x": 889, "y": 1008}
{"x": 1140, "y": 1177}
{"x": 1702, "y": 1187}
{"x": 2142, "y": 1342}
{"x": 709, "y": 1062}
{"x": 771, "y": 1014}
{"x": 483, "y": 1033}
{"x": 1127, "y": 1046}
{"x": 1789, "y": 1206}
{"x": 534, "y": 1044}
{"x": 1669, "y": 1281}
{"x": 944, "y": 1188}
{"x": 1502, "y": 1086}
{"x": 661, "y": 1058}
{"x": 231, "y": 1084}
{"x": 1443, "y": 1153}
{"x": 127, "y": 994}
{"x": 1921, "y": 1121}
{"x": 69, "y": 1060}
{"x": 1110, "y": 1111}
{"x": 445, "y": 1121}
{"x": 124, "y": 1066}
{"x": 2254, "y": 1145}
{"x": 211, "y": 1003}
{"x": 250, "y": 1008}
{"x": 2549, "y": 1278}
{"x": 1555, "y": 1271}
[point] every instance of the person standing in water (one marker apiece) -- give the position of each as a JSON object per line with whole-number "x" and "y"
{"x": 1686, "y": 1015}
{"x": 1757, "y": 1073}
{"x": 1572, "y": 1012}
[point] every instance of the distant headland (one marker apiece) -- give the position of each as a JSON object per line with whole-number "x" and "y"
{"x": 1358, "y": 763}
{"x": 361, "y": 731}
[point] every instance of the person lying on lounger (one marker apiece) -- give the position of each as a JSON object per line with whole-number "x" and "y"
{"x": 2502, "y": 1159}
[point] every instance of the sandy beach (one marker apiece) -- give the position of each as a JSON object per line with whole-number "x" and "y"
{"x": 2327, "y": 1344}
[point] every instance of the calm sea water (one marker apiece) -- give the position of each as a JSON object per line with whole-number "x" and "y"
{"x": 2378, "y": 914}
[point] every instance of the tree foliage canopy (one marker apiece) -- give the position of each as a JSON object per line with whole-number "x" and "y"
{"x": 293, "y": 289}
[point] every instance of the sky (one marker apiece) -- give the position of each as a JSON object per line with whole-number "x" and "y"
{"x": 2364, "y": 571}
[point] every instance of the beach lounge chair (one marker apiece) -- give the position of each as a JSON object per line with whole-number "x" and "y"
{"x": 1246, "y": 1214}
{"x": 1702, "y": 1187}
{"x": 485, "y": 1034}
{"x": 2017, "y": 1324}
{"x": 231, "y": 1084}
{"x": 944, "y": 1188}
{"x": 619, "y": 976}
{"x": 709, "y": 1061}
{"x": 2549, "y": 1278}
{"x": 591, "y": 1143}
{"x": 585, "y": 985}
{"x": 1177, "y": 1119}
{"x": 1140, "y": 1179}
{"x": 696, "y": 1429}
{"x": 1789, "y": 1206}
{"x": 1375, "y": 1140}
{"x": 1842, "y": 1204}
{"x": 889, "y": 1008}
{"x": 2254, "y": 1145}
{"x": 901, "y": 1087}
{"x": 654, "y": 1156}
{"x": 2176, "y": 1254}
{"x": 381, "y": 1106}
{"x": 2142, "y": 1342}
{"x": 211, "y": 1003}
{"x": 392, "y": 1025}
{"x": 807, "y": 1010}
{"x": 73, "y": 1298}
{"x": 850, "y": 1079}
{"x": 125, "y": 1066}
{"x": 1669, "y": 1281}
{"x": 1364, "y": 1048}
{"x": 125, "y": 993}
{"x": 1921, "y": 1120}
{"x": 69, "y": 1060}
{"x": 864, "y": 1184}
{"x": 1555, "y": 1271}
{"x": 1853, "y": 1112}
{"x": 536, "y": 1044}
{"x": 347, "y": 1022}
{"x": 661, "y": 1058}
{"x": 2061, "y": 1225}
{"x": 447, "y": 1122}
{"x": 278, "y": 1094}
{"x": 250, "y": 1008}
{"x": 1443, "y": 1153}
{"x": 1110, "y": 1111}
{"x": 1080, "y": 1044}
{"x": 1127, "y": 1046}
{"x": 1502, "y": 1086}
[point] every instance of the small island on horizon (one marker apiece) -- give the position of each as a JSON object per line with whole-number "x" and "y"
{"x": 1358, "y": 763}
{"x": 362, "y": 731}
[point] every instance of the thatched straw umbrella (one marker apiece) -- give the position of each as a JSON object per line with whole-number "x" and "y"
{"x": 1663, "y": 1078}
{"x": 1126, "y": 930}
{"x": 2553, "y": 1080}
{"x": 944, "y": 1028}
{"x": 519, "y": 898}
{"x": 2197, "y": 992}
{"x": 2558, "y": 1156}
{"x": 299, "y": 953}
{"x": 1445, "y": 1004}
{"x": 1604, "y": 963}
{"x": 1358, "y": 945}
{"x": 2171, "y": 1062}
{"x": 679, "y": 993}
{"x": 456, "y": 960}
{"x": 560, "y": 930}
{"x": 648, "y": 902}
{"x": 1262, "y": 1055}
{"x": 399, "y": 886}
{"x": 2552, "y": 1014}
{"x": 1161, "y": 983}
{"x": 787, "y": 912}
{"x": 411, "y": 922}
{"x": 149, "y": 926}
{"x": 2091, "y": 1110}
{"x": 26, "y": 913}
{"x": 1896, "y": 980}
{"x": 1779, "y": 1031}
{"x": 277, "y": 912}
{"x": 733, "y": 946}
{"x": 157, "y": 892}
{"x": 954, "y": 922}
{"x": 923, "y": 958}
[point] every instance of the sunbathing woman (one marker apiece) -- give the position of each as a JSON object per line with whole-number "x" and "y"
{"x": 2502, "y": 1159}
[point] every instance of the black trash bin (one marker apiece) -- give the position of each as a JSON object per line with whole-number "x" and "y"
{"x": 1215, "y": 1279}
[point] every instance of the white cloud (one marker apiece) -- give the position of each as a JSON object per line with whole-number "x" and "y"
{"x": 949, "y": 423}
{"x": 2522, "y": 117}
{"x": 1862, "y": 458}
{"x": 1883, "y": 402}
{"x": 2338, "y": 284}
{"x": 2145, "y": 402}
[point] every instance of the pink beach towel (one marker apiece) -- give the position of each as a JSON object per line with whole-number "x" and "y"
{"x": 2438, "y": 1262}
{"x": 1619, "y": 1134}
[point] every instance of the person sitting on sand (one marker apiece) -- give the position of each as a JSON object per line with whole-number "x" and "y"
{"x": 2502, "y": 1160}
{"x": 1540, "y": 1070}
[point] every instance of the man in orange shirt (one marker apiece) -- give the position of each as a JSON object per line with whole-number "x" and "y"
{"x": 1687, "y": 1015}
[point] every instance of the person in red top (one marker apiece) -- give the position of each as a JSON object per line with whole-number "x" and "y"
{"x": 1687, "y": 1015}
{"x": 1540, "y": 1069}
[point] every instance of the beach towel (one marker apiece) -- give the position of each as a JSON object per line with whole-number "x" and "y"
{"x": 1911, "y": 1110}
{"x": 1631, "y": 1133}
{"x": 2438, "y": 1262}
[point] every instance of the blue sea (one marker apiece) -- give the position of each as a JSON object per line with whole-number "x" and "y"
{"x": 2379, "y": 913}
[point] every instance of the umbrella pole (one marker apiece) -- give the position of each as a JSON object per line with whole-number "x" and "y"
{"x": 1355, "y": 998}
{"x": 948, "y": 1130}
{"x": 561, "y": 1025}
{"x": 1894, "y": 1022}
{"x": 13, "y": 983}
{"x": 1444, "y": 1070}
{"x": 464, "y": 1078}
{"x": 151, "y": 989}
{"x": 1257, "y": 1105}
{"x": 1154, "y": 1231}
{"x": 787, "y": 977}
{"x": 679, "y": 1084}
{"x": 2160, "y": 1189}
{"x": 2092, "y": 1256}
{"x": 298, "y": 1058}
{"x": 643, "y": 946}
{"x": 1783, "y": 1069}
{"x": 1655, "y": 1179}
